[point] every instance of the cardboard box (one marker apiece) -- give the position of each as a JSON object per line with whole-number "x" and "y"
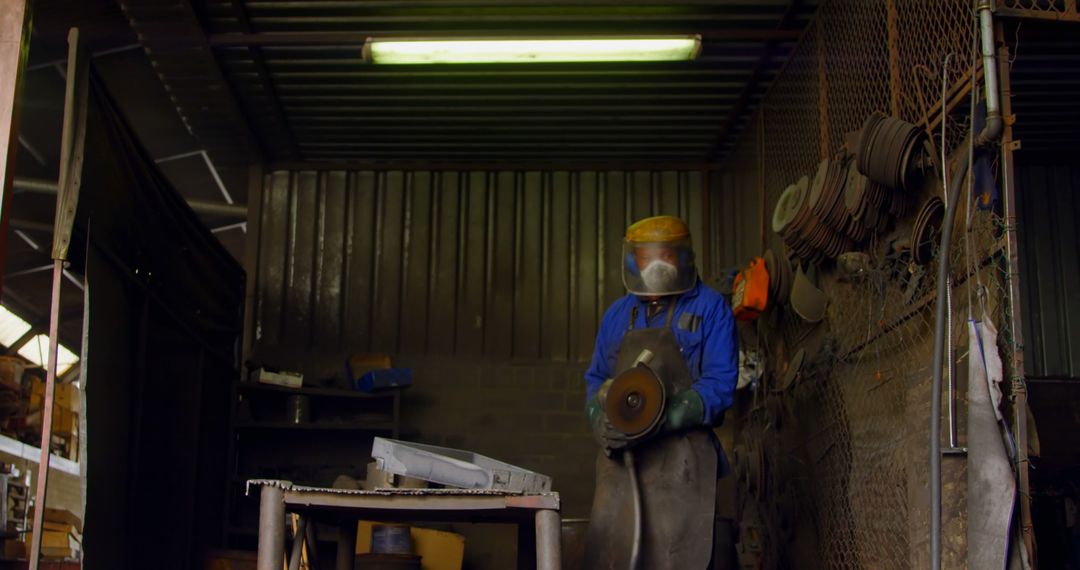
{"x": 230, "y": 560}
{"x": 59, "y": 545}
{"x": 61, "y": 516}
{"x": 439, "y": 550}
{"x": 11, "y": 372}
{"x": 286, "y": 379}
{"x": 15, "y": 550}
{"x": 358, "y": 365}
{"x": 65, "y": 423}
{"x": 64, "y": 395}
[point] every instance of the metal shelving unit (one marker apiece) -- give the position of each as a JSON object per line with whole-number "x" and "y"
{"x": 342, "y": 425}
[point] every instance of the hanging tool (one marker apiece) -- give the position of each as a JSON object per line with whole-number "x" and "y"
{"x": 72, "y": 144}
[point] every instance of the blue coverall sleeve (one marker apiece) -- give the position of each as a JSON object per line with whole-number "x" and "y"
{"x": 719, "y": 363}
{"x": 603, "y": 360}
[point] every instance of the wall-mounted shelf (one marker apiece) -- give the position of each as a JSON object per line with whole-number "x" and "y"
{"x": 33, "y": 454}
{"x": 387, "y": 425}
{"x": 336, "y": 438}
{"x": 317, "y": 392}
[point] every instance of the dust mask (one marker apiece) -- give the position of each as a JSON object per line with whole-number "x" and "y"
{"x": 660, "y": 277}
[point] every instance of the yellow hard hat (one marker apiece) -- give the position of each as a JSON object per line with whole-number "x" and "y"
{"x": 658, "y": 229}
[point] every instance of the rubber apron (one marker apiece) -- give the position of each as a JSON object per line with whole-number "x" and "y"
{"x": 676, "y": 474}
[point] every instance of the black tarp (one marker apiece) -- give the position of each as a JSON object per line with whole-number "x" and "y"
{"x": 164, "y": 302}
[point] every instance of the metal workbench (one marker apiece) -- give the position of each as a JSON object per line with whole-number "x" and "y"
{"x": 344, "y": 507}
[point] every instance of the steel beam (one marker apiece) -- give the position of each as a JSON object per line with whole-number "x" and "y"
{"x": 756, "y": 77}
{"x": 265, "y": 79}
{"x": 198, "y": 206}
{"x": 495, "y": 166}
{"x": 548, "y": 540}
{"x": 271, "y": 554}
{"x": 270, "y": 39}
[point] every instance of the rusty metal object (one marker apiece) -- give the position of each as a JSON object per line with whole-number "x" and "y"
{"x": 780, "y": 277}
{"x": 807, "y": 300}
{"x": 888, "y": 151}
{"x": 791, "y": 373}
{"x": 635, "y": 402}
{"x": 925, "y": 232}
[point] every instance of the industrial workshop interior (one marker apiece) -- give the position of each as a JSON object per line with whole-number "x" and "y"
{"x": 539, "y": 284}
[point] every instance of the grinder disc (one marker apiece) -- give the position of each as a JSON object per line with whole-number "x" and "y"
{"x": 635, "y": 401}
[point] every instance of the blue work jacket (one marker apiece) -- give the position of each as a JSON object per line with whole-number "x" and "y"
{"x": 705, "y": 330}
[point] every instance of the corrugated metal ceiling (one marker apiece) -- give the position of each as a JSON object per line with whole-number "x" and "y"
{"x": 295, "y": 67}
{"x": 1045, "y": 88}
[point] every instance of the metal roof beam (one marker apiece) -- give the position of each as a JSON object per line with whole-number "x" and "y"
{"x": 265, "y": 78}
{"x": 174, "y": 40}
{"x": 358, "y": 38}
{"x": 756, "y": 77}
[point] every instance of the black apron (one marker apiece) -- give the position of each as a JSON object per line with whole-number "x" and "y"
{"x": 676, "y": 475}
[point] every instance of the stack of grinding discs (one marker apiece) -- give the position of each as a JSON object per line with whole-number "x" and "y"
{"x": 814, "y": 225}
{"x": 780, "y": 277}
{"x": 925, "y": 231}
{"x": 887, "y": 151}
{"x": 827, "y": 205}
{"x": 791, "y": 216}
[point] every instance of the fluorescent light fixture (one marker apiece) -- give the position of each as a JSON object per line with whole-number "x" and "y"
{"x": 536, "y": 50}
{"x": 36, "y": 350}
{"x": 12, "y": 327}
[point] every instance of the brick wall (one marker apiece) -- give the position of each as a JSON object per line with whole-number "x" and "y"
{"x": 528, "y": 414}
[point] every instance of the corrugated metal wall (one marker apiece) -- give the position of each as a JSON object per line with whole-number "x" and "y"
{"x": 1048, "y": 196}
{"x": 501, "y": 265}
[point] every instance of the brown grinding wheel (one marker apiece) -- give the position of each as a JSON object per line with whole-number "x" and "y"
{"x": 635, "y": 402}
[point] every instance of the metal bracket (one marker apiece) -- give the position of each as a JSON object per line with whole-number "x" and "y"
{"x": 72, "y": 144}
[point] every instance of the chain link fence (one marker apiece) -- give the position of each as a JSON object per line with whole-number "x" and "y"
{"x": 832, "y": 462}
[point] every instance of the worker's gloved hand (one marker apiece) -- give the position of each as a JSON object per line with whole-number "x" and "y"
{"x": 606, "y": 436}
{"x": 686, "y": 410}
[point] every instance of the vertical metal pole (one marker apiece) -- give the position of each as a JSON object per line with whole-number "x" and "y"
{"x": 46, "y": 419}
{"x": 346, "y": 547}
{"x": 548, "y": 540}
{"x": 271, "y": 528}
{"x": 15, "y": 26}
{"x": 299, "y": 534}
{"x": 73, "y": 139}
{"x": 1012, "y": 252}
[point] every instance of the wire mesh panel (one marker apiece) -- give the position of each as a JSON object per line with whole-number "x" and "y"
{"x": 832, "y": 452}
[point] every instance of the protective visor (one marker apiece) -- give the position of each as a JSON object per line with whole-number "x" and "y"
{"x": 658, "y": 268}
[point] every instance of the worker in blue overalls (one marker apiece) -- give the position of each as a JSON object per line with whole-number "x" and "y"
{"x": 688, "y": 332}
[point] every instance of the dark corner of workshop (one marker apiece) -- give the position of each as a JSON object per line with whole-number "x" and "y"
{"x": 539, "y": 284}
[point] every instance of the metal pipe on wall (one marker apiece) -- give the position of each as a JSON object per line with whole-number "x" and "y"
{"x": 238, "y": 211}
{"x": 990, "y": 133}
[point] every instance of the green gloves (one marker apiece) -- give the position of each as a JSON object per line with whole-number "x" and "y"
{"x": 686, "y": 410}
{"x": 606, "y": 436}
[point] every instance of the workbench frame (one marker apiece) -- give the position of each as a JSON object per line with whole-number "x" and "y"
{"x": 537, "y": 517}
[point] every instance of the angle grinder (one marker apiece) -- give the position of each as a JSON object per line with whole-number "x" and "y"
{"x": 635, "y": 399}
{"x": 634, "y": 404}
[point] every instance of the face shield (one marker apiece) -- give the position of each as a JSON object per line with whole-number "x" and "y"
{"x": 658, "y": 268}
